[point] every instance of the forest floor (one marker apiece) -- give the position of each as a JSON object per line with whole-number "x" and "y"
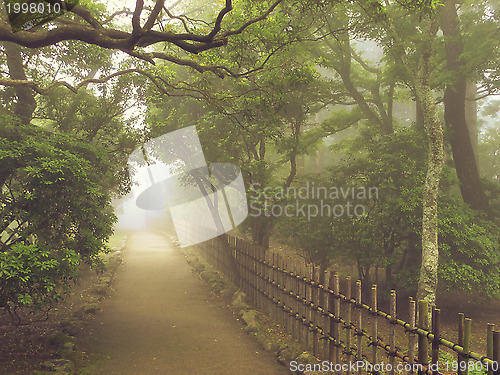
{"x": 44, "y": 342}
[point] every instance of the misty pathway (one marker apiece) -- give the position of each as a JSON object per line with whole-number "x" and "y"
{"x": 162, "y": 320}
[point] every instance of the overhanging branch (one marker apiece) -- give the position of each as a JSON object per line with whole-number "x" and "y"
{"x": 161, "y": 84}
{"x": 93, "y": 31}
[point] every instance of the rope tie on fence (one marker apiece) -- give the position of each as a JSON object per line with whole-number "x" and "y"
{"x": 410, "y": 330}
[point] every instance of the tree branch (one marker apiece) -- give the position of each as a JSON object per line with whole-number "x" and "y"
{"x": 252, "y": 21}
{"x": 93, "y": 32}
{"x": 218, "y": 21}
{"x": 87, "y": 16}
{"x": 136, "y": 18}
{"x": 154, "y": 14}
{"x": 161, "y": 84}
{"x": 363, "y": 63}
{"x": 184, "y": 23}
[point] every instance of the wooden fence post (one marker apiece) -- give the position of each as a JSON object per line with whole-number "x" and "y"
{"x": 467, "y": 328}
{"x": 224, "y": 256}
{"x": 348, "y": 321}
{"x": 258, "y": 274}
{"x": 336, "y": 312}
{"x": 268, "y": 287}
{"x": 256, "y": 261}
{"x": 307, "y": 309}
{"x": 326, "y": 322}
{"x": 286, "y": 295}
{"x": 374, "y": 324}
{"x": 360, "y": 321}
{"x": 244, "y": 266}
{"x": 296, "y": 305}
{"x": 331, "y": 310}
{"x": 295, "y": 302}
{"x": 392, "y": 338}
{"x": 310, "y": 316}
{"x": 303, "y": 308}
{"x": 287, "y": 300}
{"x": 279, "y": 292}
{"x": 423, "y": 345}
{"x": 274, "y": 289}
{"x": 253, "y": 272}
{"x": 435, "y": 342}
{"x": 272, "y": 306}
{"x": 321, "y": 316}
{"x": 315, "y": 313}
{"x": 489, "y": 344}
{"x": 461, "y": 324}
{"x": 248, "y": 268}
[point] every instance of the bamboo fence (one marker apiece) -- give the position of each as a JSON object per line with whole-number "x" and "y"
{"x": 342, "y": 331}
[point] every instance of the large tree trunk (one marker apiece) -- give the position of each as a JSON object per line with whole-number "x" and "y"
{"x": 471, "y": 118}
{"x": 26, "y": 103}
{"x": 427, "y": 284}
{"x": 455, "y": 113}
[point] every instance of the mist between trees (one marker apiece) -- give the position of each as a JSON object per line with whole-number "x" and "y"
{"x": 402, "y": 96}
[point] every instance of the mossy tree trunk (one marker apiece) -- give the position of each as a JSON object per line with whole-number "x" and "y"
{"x": 427, "y": 283}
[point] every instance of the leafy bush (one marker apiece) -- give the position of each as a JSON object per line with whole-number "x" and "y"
{"x": 33, "y": 277}
{"x": 54, "y": 211}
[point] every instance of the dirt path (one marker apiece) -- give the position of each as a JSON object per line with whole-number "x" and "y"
{"x": 162, "y": 320}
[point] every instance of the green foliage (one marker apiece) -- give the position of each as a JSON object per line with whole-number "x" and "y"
{"x": 469, "y": 249}
{"x": 388, "y": 234}
{"x": 260, "y": 121}
{"x": 54, "y": 210}
{"x": 393, "y": 167}
{"x": 32, "y": 277}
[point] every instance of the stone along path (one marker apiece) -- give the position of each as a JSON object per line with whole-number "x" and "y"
{"x": 162, "y": 320}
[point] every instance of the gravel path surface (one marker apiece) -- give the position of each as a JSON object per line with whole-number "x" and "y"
{"x": 162, "y": 320}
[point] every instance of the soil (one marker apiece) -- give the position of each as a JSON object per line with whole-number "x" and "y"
{"x": 164, "y": 320}
{"x": 24, "y": 347}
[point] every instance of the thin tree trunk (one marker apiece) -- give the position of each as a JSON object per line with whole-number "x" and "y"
{"x": 427, "y": 284}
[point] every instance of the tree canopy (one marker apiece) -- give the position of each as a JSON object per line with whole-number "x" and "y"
{"x": 400, "y": 96}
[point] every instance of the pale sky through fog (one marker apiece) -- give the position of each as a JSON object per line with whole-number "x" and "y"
{"x": 115, "y": 5}
{"x": 131, "y": 216}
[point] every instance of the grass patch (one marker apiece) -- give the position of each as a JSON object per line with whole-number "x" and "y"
{"x": 117, "y": 240}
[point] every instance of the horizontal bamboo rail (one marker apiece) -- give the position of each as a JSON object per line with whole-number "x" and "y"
{"x": 311, "y": 307}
